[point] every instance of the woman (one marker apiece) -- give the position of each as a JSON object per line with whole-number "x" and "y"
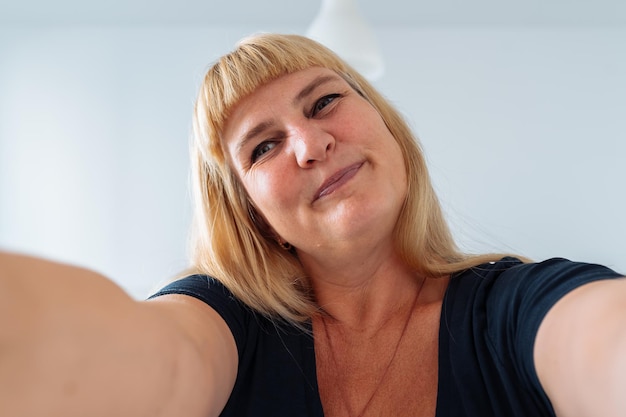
{"x": 335, "y": 287}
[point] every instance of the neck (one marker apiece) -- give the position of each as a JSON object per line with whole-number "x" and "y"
{"x": 349, "y": 262}
{"x": 366, "y": 292}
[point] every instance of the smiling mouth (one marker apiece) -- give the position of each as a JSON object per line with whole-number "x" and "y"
{"x": 337, "y": 180}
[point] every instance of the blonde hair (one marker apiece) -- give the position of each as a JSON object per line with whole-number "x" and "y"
{"x": 228, "y": 240}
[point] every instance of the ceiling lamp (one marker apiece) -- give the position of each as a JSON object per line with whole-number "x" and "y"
{"x": 340, "y": 26}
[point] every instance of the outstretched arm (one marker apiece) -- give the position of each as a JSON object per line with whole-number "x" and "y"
{"x": 580, "y": 351}
{"x": 73, "y": 344}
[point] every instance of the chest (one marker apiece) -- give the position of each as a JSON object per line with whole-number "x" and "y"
{"x": 389, "y": 372}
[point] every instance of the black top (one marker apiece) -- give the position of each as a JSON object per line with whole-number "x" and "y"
{"x": 489, "y": 319}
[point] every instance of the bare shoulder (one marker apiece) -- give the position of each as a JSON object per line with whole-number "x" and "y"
{"x": 581, "y": 349}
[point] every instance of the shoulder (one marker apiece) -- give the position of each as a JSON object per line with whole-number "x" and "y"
{"x": 490, "y": 318}
{"x": 271, "y": 352}
{"x": 245, "y": 323}
{"x": 199, "y": 286}
{"x": 215, "y": 295}
{"x": 508, "y": 279}
{"x": 507, "y": 293}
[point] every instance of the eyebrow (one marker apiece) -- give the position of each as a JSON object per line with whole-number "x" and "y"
{"x": 322, "y": 79}
{"x": 250, "y": 134}
{"x": 264, "y": 125}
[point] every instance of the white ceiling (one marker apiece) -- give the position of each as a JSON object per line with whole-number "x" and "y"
{"x": 300, "y": 12}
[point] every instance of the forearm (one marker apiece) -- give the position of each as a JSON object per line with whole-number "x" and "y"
{"x": 73, "y": 344}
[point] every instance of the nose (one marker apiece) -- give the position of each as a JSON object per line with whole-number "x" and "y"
{"x": 311, "y": 144}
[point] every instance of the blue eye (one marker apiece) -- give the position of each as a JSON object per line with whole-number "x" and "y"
{"x": 322, "y": 103}
{"x": 261, "y": 149}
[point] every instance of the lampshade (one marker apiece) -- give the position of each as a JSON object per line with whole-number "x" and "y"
{"x": 340, "y": 26}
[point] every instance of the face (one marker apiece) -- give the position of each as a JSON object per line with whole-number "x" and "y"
{"x": 317, "y": 162}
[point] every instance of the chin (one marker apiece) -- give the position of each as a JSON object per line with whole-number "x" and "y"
{"x": 377, "y": 220}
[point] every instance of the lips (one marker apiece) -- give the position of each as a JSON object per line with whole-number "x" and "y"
{"x": 337, "y": 180}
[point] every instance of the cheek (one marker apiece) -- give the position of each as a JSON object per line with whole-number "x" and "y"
{"x": 269, "y": 192}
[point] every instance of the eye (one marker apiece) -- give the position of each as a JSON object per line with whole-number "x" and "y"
{"x": 322, "y": 103}
{"x": 261, "y": 149}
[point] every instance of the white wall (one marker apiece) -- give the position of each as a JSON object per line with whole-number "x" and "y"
{"x": 523, "y": 127}
{"x": 525, "y": 130}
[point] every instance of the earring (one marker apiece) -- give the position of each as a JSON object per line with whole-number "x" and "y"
{"x": 285, "y": 245}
